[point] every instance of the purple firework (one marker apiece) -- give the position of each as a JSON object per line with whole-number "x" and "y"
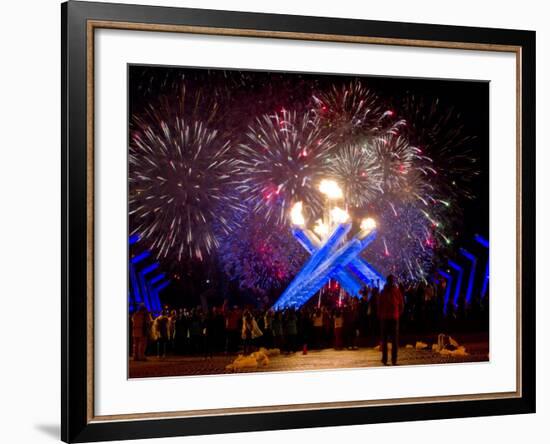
{"x": 282, "y": 161}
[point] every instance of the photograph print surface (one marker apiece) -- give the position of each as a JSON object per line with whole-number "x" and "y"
{"x": 282, "y": 221}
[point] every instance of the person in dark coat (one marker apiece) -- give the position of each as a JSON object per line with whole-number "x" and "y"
{"x": 338, "y": 321}
{"x": 162, "y": 327}
{"x": 195, "y": 331}
{"x": 277, "y": 330}
{"x": 390, "y": 309}
{"x": 182, "y": 327}
{"x": 317, "y": 321}
{"x": 232, "y": 329}
{"x": 141, "y": 322}
{"x": 208, "y": 333}
{"x": 290, "y": 329}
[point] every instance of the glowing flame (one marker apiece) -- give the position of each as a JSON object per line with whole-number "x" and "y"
{"x": 368, "y": 224}
{"x": 338, "y": 215}
{"x": 320, "y": 228}
{"x": 296, "y": 215}
{"x": 330, "y": 189}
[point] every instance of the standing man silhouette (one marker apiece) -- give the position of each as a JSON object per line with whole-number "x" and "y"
{"x": 390, "y": 308}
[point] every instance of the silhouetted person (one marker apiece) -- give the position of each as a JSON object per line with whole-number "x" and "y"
{"x": 338, "y": 321}
{"x": 290, "y": 330}
{"x": 232, "y": 327}
{"x": 162, "y": 327}
{"x": 208, "y": 333}
{"x": 318, "y": 327}
{"x": 141, "y": 321}
{"x": 250, "y": 331}
{"x": 390, "y": 308}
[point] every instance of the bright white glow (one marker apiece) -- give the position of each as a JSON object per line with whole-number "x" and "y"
{"x": 338, "y": 215}
{"x": 330, "y": 189}
{"x": 320, "y": 228}
{"x": 368, "y": 224}
{"x": 296, "y": 215}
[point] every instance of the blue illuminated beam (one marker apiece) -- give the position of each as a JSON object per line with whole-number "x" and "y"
{"x": 153, "y": 292}
{"x": 458, "y": 286}
{"x": 338, "y": 260}
{"x": 162, "y": 285}
{"x": 313, "y": 262}
{"x": 485, "y": 243}
{"x": 135, "y": 289}
{"x": 157, "y": 278}
{"x": 141, "y": 289}
{"x": 449, "y": 284}
{"x": 311, "y": 244}
{"x": 350, "y": 278}
{"x": 366, "y": 272}
{"x": 324, "y": 263}
{"x": 358, "y": 267}
{"x": 140, "y": 257}
{"x": 145, "y": 291}
{"x": 155, "y": 299}
{"x": 482, "y": 240}
{"x": 150, "y": 268}
{"x": 471, "y": 276}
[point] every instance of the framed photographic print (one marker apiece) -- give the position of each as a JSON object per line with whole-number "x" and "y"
{"x": 276, "y": 221}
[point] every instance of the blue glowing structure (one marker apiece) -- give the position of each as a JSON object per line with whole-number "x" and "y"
{"x": 140, "y": 257}
{"x": 157, "y": 278}
{"x": 143, "y": 288}
{"x": 354, "y": 276}
{"x": 149, "y": 298}
{"x": 449, "y": 284}
{"x": 135, "y": 288}
{"x": 162, "y": 286}
{"x": 471, "y": 276}
{"x": 458, "y": 286}
{"x": 150, "y": 268}
{"x": 332, "y": 259}
{"x": 481, "y": 240}
{"x": 311, "y": 244}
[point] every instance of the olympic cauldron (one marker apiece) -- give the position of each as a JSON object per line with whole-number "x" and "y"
{"x": 333, "y": 255}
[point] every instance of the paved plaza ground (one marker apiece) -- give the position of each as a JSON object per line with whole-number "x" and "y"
{"x": 313, "y": 360}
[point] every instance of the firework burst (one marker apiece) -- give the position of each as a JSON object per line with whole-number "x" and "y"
{"x": 281, "y": 162}
{"x": 181, "y": 181}
{"x": 406, "y": 175}
{"x": 261, "y": 256}
{"x": 392, "y": 181}
{"x": 439, "y": 132}
{"x": 351, "y": 112}
{"x": 356, "y": 169}
{"x": 406, "y": 244}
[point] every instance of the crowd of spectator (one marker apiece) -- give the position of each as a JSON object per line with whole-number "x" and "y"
{"x": 339, "y": 322}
